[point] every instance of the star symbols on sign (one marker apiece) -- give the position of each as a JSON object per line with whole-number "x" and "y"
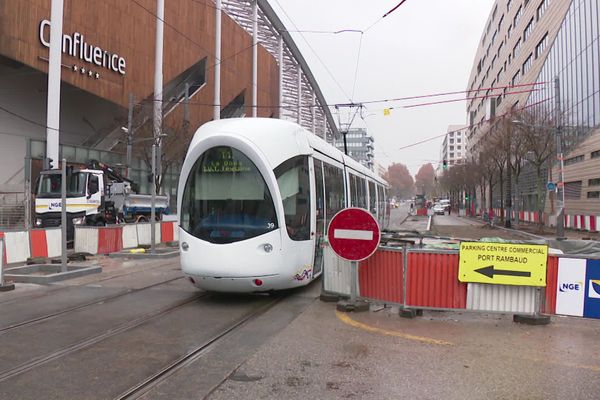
{"x": 75, "y": 68}
{"x": 97, "y": 76}
{"x": 82, "y": 69}
{"x": 90, "y": 73}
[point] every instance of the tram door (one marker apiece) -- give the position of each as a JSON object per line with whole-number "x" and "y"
{"x": 320, "y": 215}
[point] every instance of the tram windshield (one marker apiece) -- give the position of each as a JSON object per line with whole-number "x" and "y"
{"x": 226, "y": 199}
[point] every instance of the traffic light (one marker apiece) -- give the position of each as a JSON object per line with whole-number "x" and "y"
{"x": 445, "y": 164}
{"x": 467, "y": 197}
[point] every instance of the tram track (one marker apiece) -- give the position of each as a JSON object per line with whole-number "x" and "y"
{"x": 62, "y": 287}
{"x": 147, "y": 385}
{"x": 113, "y": 331}
{"x": 82, "y": 306}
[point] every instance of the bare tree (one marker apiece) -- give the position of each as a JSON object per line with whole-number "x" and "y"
{"x": 538, "y": 137}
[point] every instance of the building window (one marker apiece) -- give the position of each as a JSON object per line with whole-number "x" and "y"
{"x": 517, "y": 48}
{"x": 593, "y": 195}
{"x": 515, "y": 79}
{"x": 541, "y": 46}
{"x": 527, "y": 64}
{"x": 518, "y": 16}
{"x": 573, "y": 190}
{"x": 595, "y": 154}
{"x": 528, "y": 30}
{"x": 574, "y": 160}
{"x": 541, "y": 8}
{"x": 594, "y": 182}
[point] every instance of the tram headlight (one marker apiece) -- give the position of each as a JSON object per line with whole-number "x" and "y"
{"x": 268, "y": 247}
{"x": 184, "y": 246}
{"x": 38, "y": 222}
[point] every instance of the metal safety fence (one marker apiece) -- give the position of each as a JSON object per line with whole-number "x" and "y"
{"x": 428, "y": 279}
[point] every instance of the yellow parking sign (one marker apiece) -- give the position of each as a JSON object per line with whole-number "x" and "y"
{"x": 503, "y": 263}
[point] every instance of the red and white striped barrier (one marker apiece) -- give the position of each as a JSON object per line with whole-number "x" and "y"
{"x": 114, "y": 238}
{"x": 21, "y": 245}
{"x": 46, "y": 243}
{"x": 580, "y": 222}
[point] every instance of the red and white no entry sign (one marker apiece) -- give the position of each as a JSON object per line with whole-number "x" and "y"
{"x": 353, "y": 234}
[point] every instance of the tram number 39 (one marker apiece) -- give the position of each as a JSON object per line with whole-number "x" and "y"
{"x": 270, "y": 225}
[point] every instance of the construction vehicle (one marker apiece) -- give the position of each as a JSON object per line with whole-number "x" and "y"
{"x": 97, "y": 195}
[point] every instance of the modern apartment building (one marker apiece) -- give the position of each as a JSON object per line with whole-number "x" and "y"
{"x": 512, "y": 51}
{"x": 361, "y": 146}
{"x": 529, "y": 42}
{"x": 454, "y": 147}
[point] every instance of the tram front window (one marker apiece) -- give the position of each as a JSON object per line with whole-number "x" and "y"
{"x": 226, "y": 199}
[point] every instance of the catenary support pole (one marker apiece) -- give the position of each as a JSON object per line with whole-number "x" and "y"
{"x": 129, "y": 134}
{"x": 217, "y": 94}
{"x": 560, "y": 194}
{"x": 280, "y": 81}
{"x": 507, "y": 219}
{"x": 63, "y": 216}
{"x": 54, "y": 73}
{"x": 157, "y": 121}
{"x": 299, "y": 83}
{"x": 254, "y": 58}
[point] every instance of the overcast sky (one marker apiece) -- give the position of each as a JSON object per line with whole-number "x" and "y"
{"x": 424, "y": 47}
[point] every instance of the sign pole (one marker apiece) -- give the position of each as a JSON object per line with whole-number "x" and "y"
{"x": 63, "y": 216}
{"x": 353, "y": 287}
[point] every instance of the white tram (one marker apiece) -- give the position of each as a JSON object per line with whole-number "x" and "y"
{"x": 255, "y": 198}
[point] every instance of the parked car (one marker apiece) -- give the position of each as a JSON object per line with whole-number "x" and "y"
{"x": 445, "y": 203}
{"x": 439, "y": 209}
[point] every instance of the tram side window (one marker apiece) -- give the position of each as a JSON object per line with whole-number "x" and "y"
{"x": 293, "y": 181}
{"x": 358, "y": 191}
{"x": 353, "y": 190}
{"x": 335, "y": 198}
{"x": 362, "y": 194}
{"x": 380, "y": 204}
{"x": 372, "y": 199}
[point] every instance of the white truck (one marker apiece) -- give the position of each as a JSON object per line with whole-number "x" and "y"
{"x": 96, "y": 195}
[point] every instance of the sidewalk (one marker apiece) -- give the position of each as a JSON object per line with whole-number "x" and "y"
{"x": 476, "y": 228}
{"x": 325, "y": 354}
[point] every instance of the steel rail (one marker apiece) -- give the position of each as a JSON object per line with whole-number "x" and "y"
{"x": 150, "y": 383}
{"x": 113, "y": 331}
{"x": 53, "y": 315}
{"x": 57, "y": 288}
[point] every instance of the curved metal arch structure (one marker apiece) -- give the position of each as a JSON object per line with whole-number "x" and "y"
{"x": 300, "y": 98}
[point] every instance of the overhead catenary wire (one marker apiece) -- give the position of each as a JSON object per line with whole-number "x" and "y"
{"x": 475, "y": 125}
{"x": 466, "y": 99}
{"x": 385, "y": 15}
{"x": 493, "y": 88}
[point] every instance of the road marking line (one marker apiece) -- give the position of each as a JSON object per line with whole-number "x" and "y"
{"x": 352, "y": 234}
{"x": 349, "y": 321}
